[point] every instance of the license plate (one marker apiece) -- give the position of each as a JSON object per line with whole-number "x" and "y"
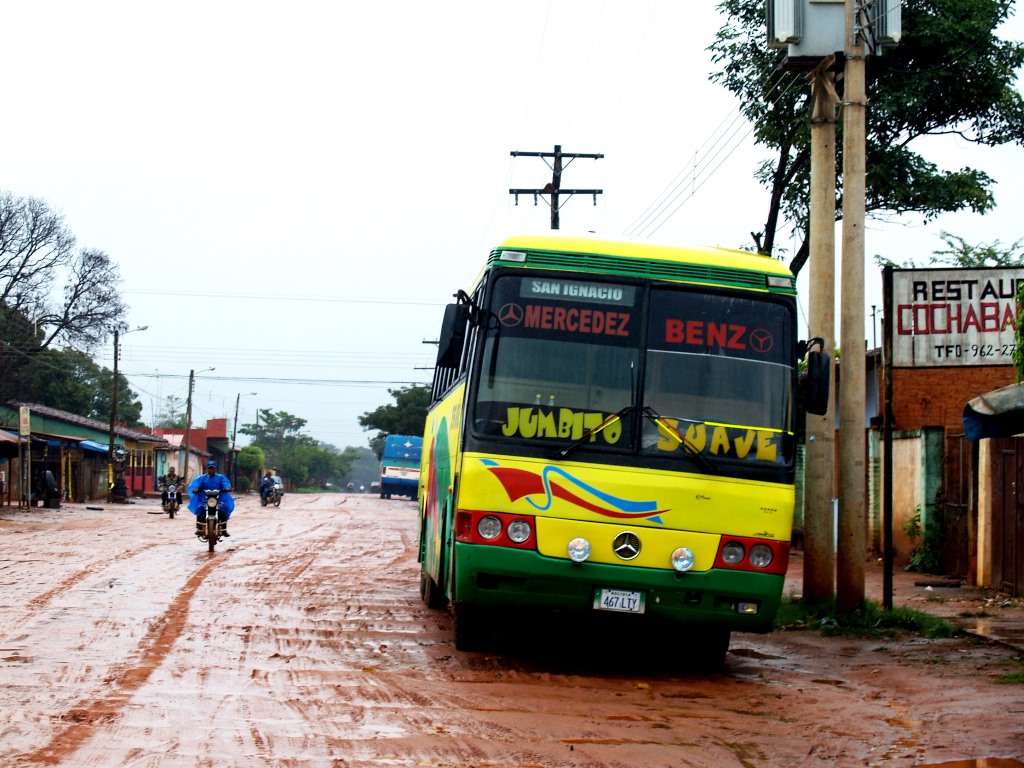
{"x": 622, "y": 600}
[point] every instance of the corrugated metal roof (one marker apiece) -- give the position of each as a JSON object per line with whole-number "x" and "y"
{"x": 93, "y": 424}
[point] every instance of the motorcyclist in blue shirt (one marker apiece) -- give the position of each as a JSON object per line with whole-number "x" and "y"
{"x": 211, "y": 481}
{"x": 267, "y": 486}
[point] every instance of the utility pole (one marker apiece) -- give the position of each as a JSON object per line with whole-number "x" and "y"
{"x": 188, "y": 422}
{"x": 116, "y": 490}
{"x": 555, "y": 187}
{"x": 234, "y": 434}
{"x": 113, "y": 421}
{"x": 819, "y": 466}
{"x": 851, "y": 550}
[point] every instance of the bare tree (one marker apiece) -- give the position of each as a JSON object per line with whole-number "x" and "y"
{"x": 50, "y": 291}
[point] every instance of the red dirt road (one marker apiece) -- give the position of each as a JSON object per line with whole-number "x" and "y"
{"x": 302, "y": 641}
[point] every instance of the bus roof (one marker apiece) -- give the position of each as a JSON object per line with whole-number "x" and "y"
{"x": 701, "y": 264}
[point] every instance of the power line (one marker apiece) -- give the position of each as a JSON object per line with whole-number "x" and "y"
{"x": 688, "y": 182}
{"x": 281, "y": 297}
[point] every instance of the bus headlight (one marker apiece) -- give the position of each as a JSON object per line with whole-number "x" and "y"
{"x": 489, "y": 527}
{"x": 519, "y": 531}
{"x": 732, "y": 553}
{"x": 683, "y": 559}
{"x": 760, "y": 556}
{"x": 579, "y": 550}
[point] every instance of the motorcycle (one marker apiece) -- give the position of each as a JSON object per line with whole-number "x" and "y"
{"x": 173, "y": 502}
{"x": 209, "y": 526}
{"x": 274, "y": 495}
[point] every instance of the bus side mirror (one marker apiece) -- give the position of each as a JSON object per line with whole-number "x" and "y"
{"x": 817, "y": 383}
{"x": 453, "y": 335}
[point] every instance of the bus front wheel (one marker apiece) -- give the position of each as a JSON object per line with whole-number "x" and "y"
{"x": 707, "y": 652}
{"x": 430, "y": 592}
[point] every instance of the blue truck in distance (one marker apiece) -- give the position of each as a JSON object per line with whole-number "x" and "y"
{"x": 400, "y": 466}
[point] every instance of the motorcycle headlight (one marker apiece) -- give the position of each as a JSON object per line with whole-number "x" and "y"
{"x": 211, "y": 503}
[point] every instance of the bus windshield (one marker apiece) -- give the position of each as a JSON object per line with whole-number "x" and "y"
{"x": 559, "y": 357}
{"x": 569, "y": 360}
{"x": 717, "y": 367}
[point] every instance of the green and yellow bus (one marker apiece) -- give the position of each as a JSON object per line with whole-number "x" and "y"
{"x": 612, "y": 429}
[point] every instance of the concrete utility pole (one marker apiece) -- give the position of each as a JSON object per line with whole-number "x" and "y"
{"x": 188, "y": 422}
{"x": 234, "y": 434}
{"x": 113, "y": 422}
{"x": 819, "y": 465}
{"x": 116, "y": 490}
{"x": 851, "y": 540}
{"x": 555, "y": 187}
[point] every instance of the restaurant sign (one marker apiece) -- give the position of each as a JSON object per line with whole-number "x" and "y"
{"x": 954, "y": 317}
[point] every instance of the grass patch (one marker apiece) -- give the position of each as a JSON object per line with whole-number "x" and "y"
{"x": 1015, "y": 677}
{"x": 872, "y": 621}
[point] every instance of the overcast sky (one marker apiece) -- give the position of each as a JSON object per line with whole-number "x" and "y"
{"x": 292, "y": 192}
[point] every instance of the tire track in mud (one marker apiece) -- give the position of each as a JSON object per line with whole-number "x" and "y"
{"x": 41, "y": 601}
{"x": 84, "y": 717}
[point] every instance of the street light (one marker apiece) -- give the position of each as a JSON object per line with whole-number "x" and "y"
{"x": 188, "y": 417}
{"x": 234, "y": 433}
{"x": 115, "y": 483}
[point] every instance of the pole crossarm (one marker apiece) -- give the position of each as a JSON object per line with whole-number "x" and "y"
{"x": 586, "y": 155}
{"x": 567, "y": 192}
{"x": 554, "y": 189}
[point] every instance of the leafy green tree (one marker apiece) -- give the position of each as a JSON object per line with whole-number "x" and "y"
{"x": 71, "y": 381}
{"x": 251, "y": 461}
{"x": 278, "y": 434}
{"x": 294, "y": 466}
{"x": 950, "y": 74}
{"x": 406, "y": 416}
{"x": 298, "y": 458}
{"x": 959, "y": 253}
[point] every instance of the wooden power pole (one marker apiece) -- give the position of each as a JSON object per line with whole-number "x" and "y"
{"x": 554, "y": 189}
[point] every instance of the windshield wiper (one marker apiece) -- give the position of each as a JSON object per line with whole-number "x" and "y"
{"x": 596, "y": 429}
{"x": 688, "y": 447}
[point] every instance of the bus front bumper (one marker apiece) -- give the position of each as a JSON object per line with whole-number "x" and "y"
{"x": 499, "y": 577}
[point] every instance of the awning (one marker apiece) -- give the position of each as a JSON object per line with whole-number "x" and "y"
{"x": 999, "y": 413}
{"x": 9, "y": 445}
{"x": 77, "y": 442}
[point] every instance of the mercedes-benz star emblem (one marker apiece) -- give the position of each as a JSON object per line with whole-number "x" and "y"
{"x": 626, "y": 545}
{"x": 511, "y": 314}
{"x": 761, "y": 340}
